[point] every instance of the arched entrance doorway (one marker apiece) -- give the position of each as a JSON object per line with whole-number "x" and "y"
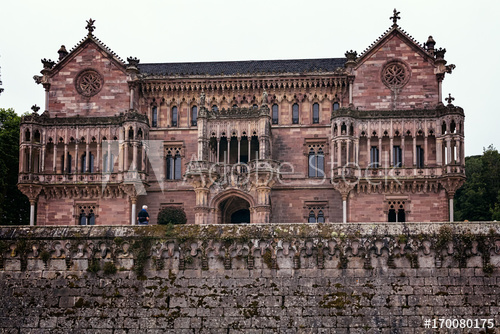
{"x": 234, "y": 210}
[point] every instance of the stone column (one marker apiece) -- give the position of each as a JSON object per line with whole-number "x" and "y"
{"x": 142, "y": 166}
{"x": 32, "y": 192}
{"x": 391, "y": 153}
{"x": 439, "y": 151}
{"x": 344, "y": 210}
{"x": 403, "y": 150}
{"x": 356, "y": 151}
{"x": 448, "y": 148}
{"x": 42, "y": 169}
{"x": 134, "y": 156}
{"x": 229, "y": 150}
{"x": 134, "y": 210}
{"x": 451, "y": 209}
{"x": 76, "y": 157}
{"x": 109, "y": 158}
{"x": 30, "y": 159}
{"x": 239, "y": 148}
{"x": 32, "y": 212}
{"x": 347, "y": 149}
{"x": 344, "y": 187}
{"x": 22, "y": 154}
{"x": 121, "y": 144}
{"x": 368, "y": 150}
{"x": 426, "y": 152}
{"x": 98, "y": 158}
{"x": 87, "y": 157}
{"x": 415, "y": 151}
{"x": 350, "y": 91}
{"x": 339, "y": 153}
{"x": 65, "y": 160}
{"x": 218, "y": 150}
{"x": 249, "y": 148}
{"x": 380, "y": 151}
{"x": 131, "y": 105}
{"x": 332, "y": 154}
{"x": 125, "y": 157}
{"x": 54, "y": 158}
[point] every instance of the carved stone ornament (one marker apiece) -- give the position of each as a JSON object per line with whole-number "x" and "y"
{"x": 89, "y": 82}
{"x": 395, "y": 75}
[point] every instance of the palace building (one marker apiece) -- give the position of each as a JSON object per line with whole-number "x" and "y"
{"x": 363, "y": 138}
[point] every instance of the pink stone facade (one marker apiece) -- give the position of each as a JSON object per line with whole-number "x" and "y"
{"x": 365, "y": 138}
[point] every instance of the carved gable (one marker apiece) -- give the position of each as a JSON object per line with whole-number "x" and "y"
{"x": 395, "y": 74}
{"x": 88, "y": 82}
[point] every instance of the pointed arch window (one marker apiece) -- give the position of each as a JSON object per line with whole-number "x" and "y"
{"x": 316, "y": 162}
{"x": 420, "y": 157}
{"x": 275, "y": 114}
{"x": 66, "y": 163}
{"x": 397, "y": 156}
{"x": 312, "y": 217}
{"x": 315, "y": 211}
{"x": 173, "y": 165}
{"x": 321, "y": 217}
{"x": 315, "y": 114}
{"x": 174, "y": 116}
{"x": 154, "y": 117}
{"x": 374, "y": 162}
{"x": 336, "y": 106}
{"x": 84, "y": 163}
{"x": 295, "y": 113}
{"x": 105, "y": 167}
{"x": 396, "y": 212}
{"x": 194, "y": 116}
{"x": 86, "y": 214}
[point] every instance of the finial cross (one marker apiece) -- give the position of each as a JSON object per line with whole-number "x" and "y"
{"x": 449, "y": 99}
{"x": 395, "y": 17}
{"x": 35, "y": 108}
{"x": 90, "y": 26}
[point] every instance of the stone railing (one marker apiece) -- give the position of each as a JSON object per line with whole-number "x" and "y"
{"x": 195, "y": 246}
{"x": 81, "y": 178}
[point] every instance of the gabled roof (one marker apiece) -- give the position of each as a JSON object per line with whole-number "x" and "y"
{"x": 394, "y": 30}
{"x": 90, "y": 38}
{"x": 244, "y": 67}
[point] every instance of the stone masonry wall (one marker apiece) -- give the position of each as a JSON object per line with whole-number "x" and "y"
{"x": 286, "y": 278}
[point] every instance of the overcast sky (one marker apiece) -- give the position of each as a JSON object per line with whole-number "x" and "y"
{"x": 179, "y": 31}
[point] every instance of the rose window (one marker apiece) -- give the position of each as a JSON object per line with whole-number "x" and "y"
{"x": 395, "y": 75}
{"x": 89, "y": 83}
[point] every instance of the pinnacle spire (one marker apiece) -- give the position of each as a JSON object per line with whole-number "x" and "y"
{"x": 90, "y": 26}
{"x": 395, "y": 17}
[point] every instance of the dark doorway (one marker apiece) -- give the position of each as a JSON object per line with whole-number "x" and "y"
{"x": 241, "y": 217}
{"x": 234, "y": 210}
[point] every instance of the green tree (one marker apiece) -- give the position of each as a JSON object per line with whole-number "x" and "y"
{"x": 479, "y": 197}
{"x": 14, "y": 206}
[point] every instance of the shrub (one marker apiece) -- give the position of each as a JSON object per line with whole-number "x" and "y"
{"x": 172, "y": 215}
{"x": 109, "y": 268}
{"x": 94, "y": 266}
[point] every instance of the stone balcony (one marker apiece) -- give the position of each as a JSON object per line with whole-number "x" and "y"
{"x": 398, "y": 172}
{"x": 82, "y": 178}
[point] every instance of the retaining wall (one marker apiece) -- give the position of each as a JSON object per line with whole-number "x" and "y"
{"x": 286, "y": 278}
